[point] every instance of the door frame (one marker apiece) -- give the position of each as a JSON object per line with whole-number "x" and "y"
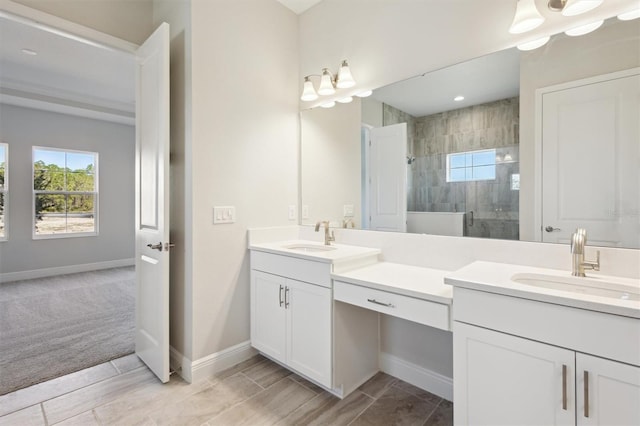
{"x": 537, "y": 166}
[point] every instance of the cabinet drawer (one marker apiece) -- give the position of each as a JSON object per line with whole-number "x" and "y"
{"x": 417, "y": 310}
{"x": 298, "y": 269}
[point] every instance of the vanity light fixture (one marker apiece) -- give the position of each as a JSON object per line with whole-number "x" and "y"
{"x": 584, "y": 29}
{"x": 534, "y": 44}
{"x": 328, "y": 104}
{"x": 526, "y": 18}
{"x": 328, "y": 83}
{"x": 628, "y": 16}
{"x": 345, "y": 100}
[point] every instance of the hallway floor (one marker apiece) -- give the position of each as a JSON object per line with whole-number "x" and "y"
{"x": 255, "y": 392}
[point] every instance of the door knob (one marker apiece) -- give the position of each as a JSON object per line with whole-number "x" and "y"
{"x": 155, "y": 246}
{"x": 551, "y": 229}
{"x": 168, "y": 246}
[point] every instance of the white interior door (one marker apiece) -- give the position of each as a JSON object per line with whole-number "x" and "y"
{"x": 152, "y": 202}
{"x": 388, "y": 175}
{"x": 590, "y": 150}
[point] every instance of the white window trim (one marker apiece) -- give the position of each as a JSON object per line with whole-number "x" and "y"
{"x": 34, "y": 192}
{"x": 5, "y": 191}
{"x": 448, "y": 171}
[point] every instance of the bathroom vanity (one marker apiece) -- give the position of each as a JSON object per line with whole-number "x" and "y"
{"x": 314, "y": 308}
{"x": 538, "y": 346}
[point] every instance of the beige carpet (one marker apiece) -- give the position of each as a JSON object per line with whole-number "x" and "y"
{"x": 53, "y": 326}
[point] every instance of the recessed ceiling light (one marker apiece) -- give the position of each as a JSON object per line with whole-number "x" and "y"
{"x": 29, "y": 52}
{"x": 459, "y": 98}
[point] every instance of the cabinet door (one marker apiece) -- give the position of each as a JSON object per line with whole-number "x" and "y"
{"x": 500, "y": 379}
{"x": 610, "y": 395}
{"x": 309, "y": 330}
{"x": 268, "y": 315}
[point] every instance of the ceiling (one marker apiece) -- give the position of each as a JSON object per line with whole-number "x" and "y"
{"x": 485, "y": 79}
{"x": 66, "y": 74}
{"x": 299, "y": 6}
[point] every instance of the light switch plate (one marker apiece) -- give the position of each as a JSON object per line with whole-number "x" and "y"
{"x": 224, "y": 214}
{"x": 348, "y": 210}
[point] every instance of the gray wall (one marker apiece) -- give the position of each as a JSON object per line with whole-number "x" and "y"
{"x": 22, "y": 128}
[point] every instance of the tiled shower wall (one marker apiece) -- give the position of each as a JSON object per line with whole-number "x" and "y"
{"x": 491, "y": 206}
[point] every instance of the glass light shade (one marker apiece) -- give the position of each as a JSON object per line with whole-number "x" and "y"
{"x": 584, "y": 29}
{"x": 628, "y": 16}
{"x": 576, "y": 7}
{"x": 345, "y": 79}
{"x": 326, "y": 84}
{"x": 526, "y": 18}
{"x": 534, "y": 44}
{"x": 345, "y": 100}
{"x": 328, "y": 104}
{"x": 364, "y": 94}
{"x": 308, "y": 92}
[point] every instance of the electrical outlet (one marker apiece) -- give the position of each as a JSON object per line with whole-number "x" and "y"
{"x": 224, "y": 214}
{"x": 292, "y": 212}
{"x": 305, "y": 211}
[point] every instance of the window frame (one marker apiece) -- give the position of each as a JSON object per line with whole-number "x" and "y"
{"x": 486, "y": 150}
{"x": 35, "y": 192}
{"x": 5, "y": 192}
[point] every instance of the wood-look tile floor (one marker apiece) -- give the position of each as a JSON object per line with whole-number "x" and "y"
{"x": 255, "y": 392}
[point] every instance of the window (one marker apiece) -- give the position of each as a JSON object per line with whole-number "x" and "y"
{"x": 4, "y": 188}
{"x": 471, "y": 166}
{"x": 65, "y": 193}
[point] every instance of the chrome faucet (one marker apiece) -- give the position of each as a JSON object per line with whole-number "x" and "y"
{"x": 578, "y": 264}
{"x": 328, "y": 235}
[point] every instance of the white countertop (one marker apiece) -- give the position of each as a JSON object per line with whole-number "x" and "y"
{"x": 497, "y": 278}
{"x": 413, "y": 281}
{"x": 342, "y": 253}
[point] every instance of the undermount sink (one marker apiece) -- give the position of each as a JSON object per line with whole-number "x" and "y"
{"x": 587, "y": 285}
{"x": 309, "y": 248}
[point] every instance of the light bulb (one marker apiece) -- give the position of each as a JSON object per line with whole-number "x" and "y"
{"x": 576, "y": 7}
{"x": 345, "y": 79}
{"x": 526, "y": 18}
{"x": 326, "y": 83}
{"x": 309, "y": 92}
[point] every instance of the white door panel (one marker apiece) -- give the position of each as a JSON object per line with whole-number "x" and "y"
{"x": 590, "y": 151}
{"x": 152, "y": 202}
{"x": 388, "y": 174}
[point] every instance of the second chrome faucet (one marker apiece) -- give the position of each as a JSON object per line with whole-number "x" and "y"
{"x": 328, "y": 235}
{"x": 578, "y": 264}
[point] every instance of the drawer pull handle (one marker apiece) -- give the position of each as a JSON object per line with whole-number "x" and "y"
{"x": 280, "y": 296}
{"x": 586, "y": 394}
{"x": 388, "y": 305}
{"x": 286, "y": 297}
{"x": 564, "y": 387}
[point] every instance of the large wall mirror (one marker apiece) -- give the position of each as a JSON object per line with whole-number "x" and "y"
{"x": 543, "y": 142}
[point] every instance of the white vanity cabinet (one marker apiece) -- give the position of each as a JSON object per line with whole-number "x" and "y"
{"x": 519, "y": 361}
{"x": 291, "y": 319}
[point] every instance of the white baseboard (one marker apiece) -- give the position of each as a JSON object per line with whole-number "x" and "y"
{"x": 193, "y": 371}
{"x": 416, "y": 375}
{"x": 62, "y": 270}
